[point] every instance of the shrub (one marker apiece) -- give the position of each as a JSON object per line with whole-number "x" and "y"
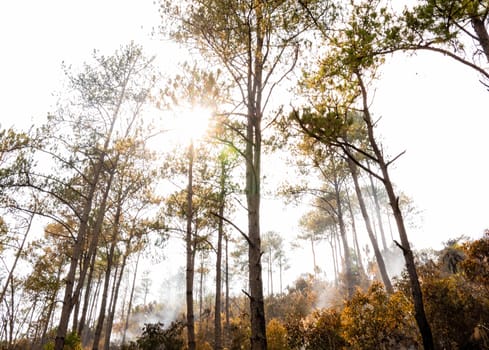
{"x": 320, "y": 330}
{"x": 155, "y": 337}
{"x": 276, "y": 335}
{"x": 375, "y": 320}
{"x": 72, "y": 342}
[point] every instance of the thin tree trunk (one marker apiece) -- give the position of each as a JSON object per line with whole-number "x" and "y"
{"x": 348, "y": 265}
{"x": 280, "y": 275}
{"x": 201, "y": 286}
{"x": 11, "y": 323}
{"x": 86, "y": 302}
{"x": 419, "y": 312}
{"x": 129, "y": 307}
{"x": 258, "y": 339}
{"x": 390, "y": 227}
{"x": 107, "y": 326}
{"x": 377, "y": 211}
{"x": 95, "y": 297}
{"x": 103, "y": 304}
{"x": 227, "y": 288}
{"x": 189, "y": 241}
{"x": 110, "y": 261}
{"x": 270, "y": 268}
{"x": 68, "y": 301}
{"x": 92, "y": 250}
{"x": 333, "y": 253}
{"x": 314, "y": 264}
{"x": 16, "y": 260}
{"x": 220, "y": 233}
{"x": 355, "y": 235}
{"x": 110, "y": 319}
{"x": 52, "y": 303}
{"x": 366, "y": 219}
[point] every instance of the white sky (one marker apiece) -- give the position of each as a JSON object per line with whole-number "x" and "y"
{"x": 430, "y": 107}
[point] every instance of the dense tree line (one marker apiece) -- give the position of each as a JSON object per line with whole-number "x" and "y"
{"x": 104, "y": 194}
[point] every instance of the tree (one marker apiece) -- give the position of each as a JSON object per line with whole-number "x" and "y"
{"x": 20, "y": 251}
{"x": 314, "y": 223}
{"x": 192, "y": 212}
{"x": 366, "y": 218}
{"x": 45, "y": 280}
{"x": 226, "y": 163}
{"x": 351, "y": 61}
{"x": 252, "y": 40}
{"x": 104, "y": 101}
{"x": 457, "y": 30}
{"x": 273, "y": 250}
{"x": 193, "y": 90}
{"x": 126, "y": 222}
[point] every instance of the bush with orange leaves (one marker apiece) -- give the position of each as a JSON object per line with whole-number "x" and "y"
{"x": 376, "y": 320}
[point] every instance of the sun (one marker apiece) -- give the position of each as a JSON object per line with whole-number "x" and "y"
{"x": 191, "y": 124}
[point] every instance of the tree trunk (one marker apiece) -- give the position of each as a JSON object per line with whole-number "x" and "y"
{"x": 17, "y": 256}
{"x": 227, "y": 285}
{"x": 482, "y": 35}
{"x": 355, "y": 235}
{"x": 258, "y": 339}
{"x": 270, "y": 269}
{"x": 366, "y": 219}
{"x": 201, "y": 286}
{"x": 86, "y": 302}
{"x": 335, "y": 259}
{"x": 131, "y": 296}
{"x": 69, "y": 297}
{"x": 350, "y": 288}
{"x": 313, "y": 251}
{"x": 112, "y": 302}
{"x": 75, "y": 256}
{"x": 419, "y": 312}
{"x": 190, "y": 252}
{"x": 110, "y": 319}
{"x": 92, "y": 250}
{"x": 110, "y": 262}
{"x": 280, "y": 274}
{"x": 220, "y": 233}
{"x": 377, "y": 212}
{"x": 52, "y": 303}
{"x": 103, "y": 305}
{"x": 92, "y": 309}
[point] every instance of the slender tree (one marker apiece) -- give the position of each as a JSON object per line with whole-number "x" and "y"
{"x": 101, "y": 96}
{"x": 256, "y": 42}
{"x": 351, "y": 61}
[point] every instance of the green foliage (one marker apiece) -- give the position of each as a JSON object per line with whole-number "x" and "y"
{"x": 155, "y": 337}
{"x": 438, "y": 21}
{"x": 11, "y": 141}
{"x": 14, "y": 159}
{"x": 72, "y": 342}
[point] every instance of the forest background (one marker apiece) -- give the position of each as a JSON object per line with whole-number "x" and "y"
{"x": 429, "y": 106}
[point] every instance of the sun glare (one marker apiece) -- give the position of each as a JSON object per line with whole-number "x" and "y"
{"x": 192, "y": 124}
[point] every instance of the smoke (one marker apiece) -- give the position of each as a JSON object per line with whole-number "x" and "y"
{"x": 167, "y": 303}
{"x": 328, "y": 296}
{"x": 394, "y": 261}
